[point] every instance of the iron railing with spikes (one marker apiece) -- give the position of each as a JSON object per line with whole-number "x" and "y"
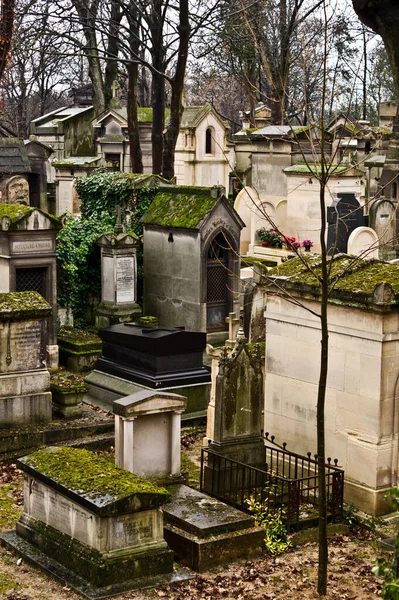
{"x": 288, "y": 481}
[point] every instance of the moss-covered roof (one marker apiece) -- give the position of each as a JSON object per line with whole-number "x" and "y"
{"x": 15, "y": 212}
{"x": 183, "y": 206}
{"x": 351, "y": 276}
{"x": 88, "y": 474}
{"x": 23, "y": 305}
{"x": 333, "y": 169}
{"x": 18, "y": 212}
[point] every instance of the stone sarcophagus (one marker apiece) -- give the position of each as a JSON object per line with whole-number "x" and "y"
{"x": 95, "y": 519}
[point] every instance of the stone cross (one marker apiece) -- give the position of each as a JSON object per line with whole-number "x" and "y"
{"x": 118, "y": 225}
{"x": 234, "y": 324}
{"x": 114, "y": 88}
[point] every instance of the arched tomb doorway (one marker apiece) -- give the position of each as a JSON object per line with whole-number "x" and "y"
{"x": 219, "y": 257}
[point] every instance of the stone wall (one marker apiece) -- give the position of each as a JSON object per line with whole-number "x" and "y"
{"x": 361, "y": 391}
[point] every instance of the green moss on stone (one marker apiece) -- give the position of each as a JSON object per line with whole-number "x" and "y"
{"x": 184, "y": 206}
{"x": 15, "y": 212}
{"x": 348, "y": 273}
{"x": 88, "y": 474}
{"x": 9, "y": 512}
{"x": 261, "y": 346}
{"x": 23, "y": 305}
{"x": 63, "y": 381}
{"x": 148, "y": 320}
{"x": 78, "y": 342}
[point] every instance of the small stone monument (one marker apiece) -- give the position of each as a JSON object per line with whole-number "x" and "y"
{"x": 147, "y": 433}
{"x": 238, "y": 405}
{"x": 118, "y": 279}
{"x": 94, "y": 519}
{"x": 25, "y": 396}
{"x": 383, "y": 221}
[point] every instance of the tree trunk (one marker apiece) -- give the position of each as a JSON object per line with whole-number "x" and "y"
{"x": 87, "y": 18}
{"x": 321, "y": 396}
{"x": 158, "y": 85}
{"x": 383, "y": 18}
{"x": 6, "y": 27}
{"x": 136, "y": 159}
{"x": 176, "y": 106}
{"x": 111, "y": 67}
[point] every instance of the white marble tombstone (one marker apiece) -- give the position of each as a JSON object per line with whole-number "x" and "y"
{"x": 147, "y": 433}
{"x": 363, "y": 241}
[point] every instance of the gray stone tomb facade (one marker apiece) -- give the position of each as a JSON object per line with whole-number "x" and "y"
{"x": 28, "y": 261}
{"x": 191, "y": 258}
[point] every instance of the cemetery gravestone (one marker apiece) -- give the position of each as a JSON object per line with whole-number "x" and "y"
{"x": 363, "y": 242}
{"x": 238, "y": 405}
{"x": 25, "y": 396}
{"x": 118, "y": 279}
{"x": 343, "y": 216}
{"x": 383, "y": 221}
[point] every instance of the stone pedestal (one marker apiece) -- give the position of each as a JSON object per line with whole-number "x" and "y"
{"x": 118, "y": 279}
{"x": 106, "y": 537}
{"x": 25, "y": 396}
{"x": 147, "y": 433}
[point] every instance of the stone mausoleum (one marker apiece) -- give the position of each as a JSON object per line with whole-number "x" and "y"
{"x": 28, "y": 261}
{"x": 191, "y": 258}
{"x": 361, "y": 419}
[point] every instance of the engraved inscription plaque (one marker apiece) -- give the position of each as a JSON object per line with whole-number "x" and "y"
{"x": 125, "y": 279}
{"x": 32, "y": 246}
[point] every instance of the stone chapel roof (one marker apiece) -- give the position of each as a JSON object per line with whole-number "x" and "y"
{"x": 13, "y": 156}
{"x": 183, "y": 206}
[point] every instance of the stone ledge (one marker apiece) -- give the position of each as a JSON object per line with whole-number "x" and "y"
{"x": 52, "y": 568}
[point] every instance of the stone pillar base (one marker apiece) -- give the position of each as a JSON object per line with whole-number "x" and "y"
{"x": 369, "y": 500}
{"x": 112, "y": 314}
{"x": 52, "y": 358}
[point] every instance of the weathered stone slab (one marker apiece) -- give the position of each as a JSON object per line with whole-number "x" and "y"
{"x": 205, "y": 533}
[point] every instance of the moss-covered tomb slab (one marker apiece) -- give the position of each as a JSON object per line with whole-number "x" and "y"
{"x": 93, "y": 481}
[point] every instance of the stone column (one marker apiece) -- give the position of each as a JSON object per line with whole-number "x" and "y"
{"x": 118, "y": 279}
{"x": 175, "y": 443}
{"x": 124, "y": 429}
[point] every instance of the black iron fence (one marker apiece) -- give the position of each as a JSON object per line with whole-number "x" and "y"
{"x": 288, "y": 481}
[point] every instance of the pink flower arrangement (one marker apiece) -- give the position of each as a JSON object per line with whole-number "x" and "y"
{"x": 307, "y": 244}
